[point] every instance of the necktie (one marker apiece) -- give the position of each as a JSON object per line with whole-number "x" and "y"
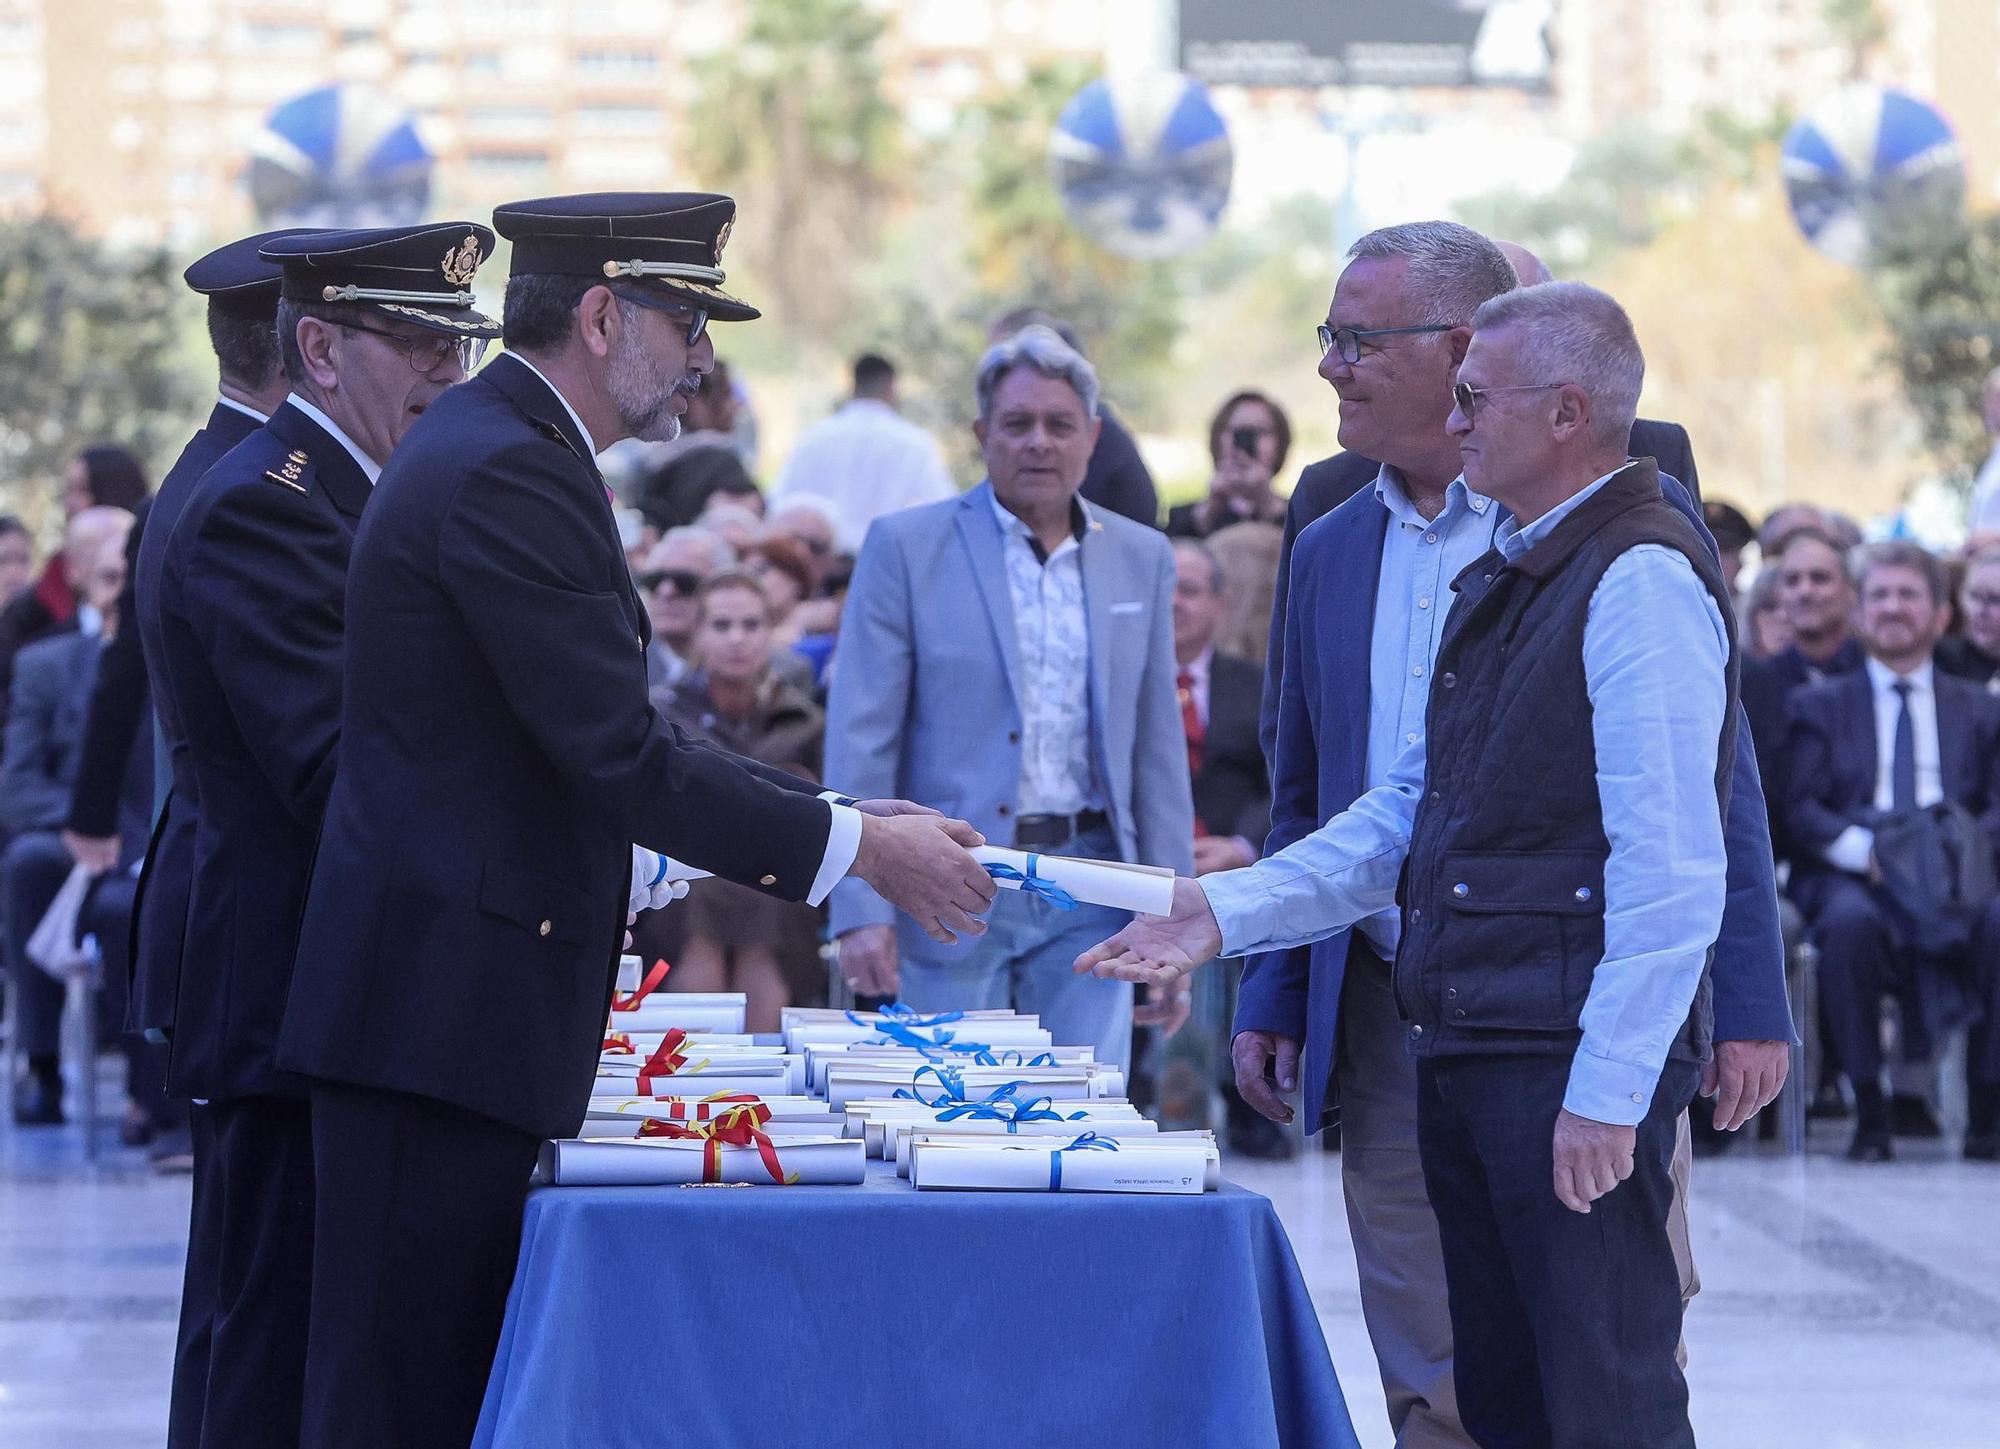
{"x": 1903, "y": 761}
{"x": 1196, "y": 731}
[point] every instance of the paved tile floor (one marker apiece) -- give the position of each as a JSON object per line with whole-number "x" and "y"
{"x": 1844, "y": 1307}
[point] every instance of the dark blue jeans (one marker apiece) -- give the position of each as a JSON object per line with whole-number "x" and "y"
{"x": 1564, "y": 1324}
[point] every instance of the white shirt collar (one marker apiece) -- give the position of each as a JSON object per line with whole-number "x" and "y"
{"x": 1198, "y": 667}
{"x": 247, "y": 411}
{"x": 1884, "y": 678}
{"x": 588, "y": 441}
{"x": 1011, "y": 522}
{"x": 1394, "y": 495}
{"x": 367, "y": 464}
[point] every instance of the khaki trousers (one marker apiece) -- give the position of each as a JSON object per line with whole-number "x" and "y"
{"x": 1401, "y": 1266}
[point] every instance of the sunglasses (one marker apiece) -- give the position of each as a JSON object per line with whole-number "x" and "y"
{"x": 430, "y": 351}
{"x": 1467, "y": 396}
{"x": 1349, "y": 339}
{"x": 697, "y": 316}
{"x": 684, "y": 582}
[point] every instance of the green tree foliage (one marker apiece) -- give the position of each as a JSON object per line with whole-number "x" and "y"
{"x": 91, "y": 350}
{"x": 1939, "y": 289}
{"x": 792, "y": 121}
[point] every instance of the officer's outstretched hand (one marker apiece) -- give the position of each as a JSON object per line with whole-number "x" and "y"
{"x": 1159, "y": 950}
{"x": 918, "y": 863}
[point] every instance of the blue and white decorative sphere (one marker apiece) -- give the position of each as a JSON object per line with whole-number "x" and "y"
{"x": 1143, "y": 163}
{"x": 340, "y": 156}
{"x": 1865, "y": 158}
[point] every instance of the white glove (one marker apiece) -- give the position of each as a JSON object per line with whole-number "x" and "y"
{"x": 656, "y": 880}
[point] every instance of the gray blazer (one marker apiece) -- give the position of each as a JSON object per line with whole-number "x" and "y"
{"x": 52, "y": 683}
{"x": 924, "y": 703}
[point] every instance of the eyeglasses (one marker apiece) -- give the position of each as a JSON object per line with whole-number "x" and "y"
{"x": 1467, "y": 396}
{"x": 1349, "y": 339}
{"x": 430, "y": 351}
{"x": 684, "y": 582}
{"x": 697, "y": 316}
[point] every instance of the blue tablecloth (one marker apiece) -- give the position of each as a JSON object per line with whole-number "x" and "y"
{"x": 878, "y": 1316}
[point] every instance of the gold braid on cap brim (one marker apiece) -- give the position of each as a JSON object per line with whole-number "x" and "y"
{"x": 678, "y": 271}
{"x": 433, "y": 319}
{"x": 382, "y": 294}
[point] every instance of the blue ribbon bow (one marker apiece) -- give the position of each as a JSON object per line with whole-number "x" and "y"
{"x": 951, "y": 1088}
{"x": 1011, "y": 1110}
{"x": 1035, "y": 884}
{"x": 987, "y": 1057}
{"x": 1088, "y": 1142}
{"x": 903, "y": 1015}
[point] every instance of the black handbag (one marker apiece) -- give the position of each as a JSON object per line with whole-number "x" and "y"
{"x": 1937, "y": 868}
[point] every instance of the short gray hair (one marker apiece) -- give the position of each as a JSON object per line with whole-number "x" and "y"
{"x": 1573, "y": 333}
{"x": 1040, "y": 348}
{"x": 1452, "y": 268}
{"x": 1218, "y": 576}
{"x": 1900, "y": 553}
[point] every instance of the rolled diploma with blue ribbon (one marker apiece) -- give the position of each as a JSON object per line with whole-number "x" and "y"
{"x": 1145, "y": 889}
{"x": 1162, "y": 1163}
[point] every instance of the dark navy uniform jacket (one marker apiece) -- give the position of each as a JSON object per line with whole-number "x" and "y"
{"x": 159, "y": 920}
{"x": 249, "y": 601}
{"x": 498, "y": 757}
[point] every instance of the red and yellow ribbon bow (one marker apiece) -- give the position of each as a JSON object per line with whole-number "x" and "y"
{"x": 739, "y": 1126}
{"x": 667, "y": 1059}
{"x": 680, "y": 1109}
{"x": 646, "y": 988}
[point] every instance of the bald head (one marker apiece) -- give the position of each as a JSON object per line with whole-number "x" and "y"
{"x": 1529, "y": 269}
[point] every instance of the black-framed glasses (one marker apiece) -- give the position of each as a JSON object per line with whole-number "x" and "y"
{"x": 684, "y": 582}
{"x": 429, "y": 351}
{"x": 1349, "y": 339}
{"x": 1467, "y": 396}
{"x": 697, "y": 316}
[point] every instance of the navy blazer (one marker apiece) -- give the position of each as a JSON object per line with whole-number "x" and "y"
{"x": 1830, "y": 740}
{"x": 159, "y": 915}
{"x": 1319, "y": 760}
{"x": 250, "y": 605}
{"x": 498, "y": 757}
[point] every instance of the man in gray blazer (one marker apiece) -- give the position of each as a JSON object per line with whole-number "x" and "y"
{"x": 1007, "y": 656}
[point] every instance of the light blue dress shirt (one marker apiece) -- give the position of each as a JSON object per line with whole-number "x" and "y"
{"x": 1654, "y": 650}
{"x": 1420, "y": 558}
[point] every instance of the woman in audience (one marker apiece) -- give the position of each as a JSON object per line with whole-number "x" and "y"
{"x": 1975, "y": 653}
{"x": 1248, "y": 439}
{"x": 729, "y": 937}
{"x": 1765, "y": 631}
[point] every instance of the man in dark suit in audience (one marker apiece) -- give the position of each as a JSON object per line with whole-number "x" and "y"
{"x": 1219, "y": 696}
{"x": 1218, "y": 700}
{"x": 1894, "y": 736}
{"x": 1817, "y": 599}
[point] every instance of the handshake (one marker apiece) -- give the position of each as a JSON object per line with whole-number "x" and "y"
{"x": 913, "y": 856}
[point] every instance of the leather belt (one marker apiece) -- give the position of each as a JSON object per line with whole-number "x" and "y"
{"x": 1040, "y": 832}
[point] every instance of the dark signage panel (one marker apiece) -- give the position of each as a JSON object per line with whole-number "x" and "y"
{"x": 1365, "y": 42}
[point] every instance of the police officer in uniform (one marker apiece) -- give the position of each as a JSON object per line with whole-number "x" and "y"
{"x": 242, "y": 292}
{"x": 248, "y": 600}
{"x": 498, "y": 758}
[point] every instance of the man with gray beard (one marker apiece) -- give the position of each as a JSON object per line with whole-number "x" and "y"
{"x": 499, "y": 758}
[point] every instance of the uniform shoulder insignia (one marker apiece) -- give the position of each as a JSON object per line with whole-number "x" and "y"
{"x": 291, "y": 472}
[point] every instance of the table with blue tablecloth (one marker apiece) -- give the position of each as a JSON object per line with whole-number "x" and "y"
{"x": 878, "y": 1316}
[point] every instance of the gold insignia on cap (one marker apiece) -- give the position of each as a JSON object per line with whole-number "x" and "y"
{"x": 722, "y": 238}
{"x": 462, "y": 262}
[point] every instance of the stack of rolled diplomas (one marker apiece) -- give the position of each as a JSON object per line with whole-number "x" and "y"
{"x": 972, "y": 1099}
